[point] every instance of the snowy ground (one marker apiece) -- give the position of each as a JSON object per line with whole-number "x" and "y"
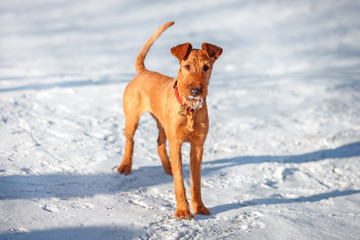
{"x": 282, "y": 158}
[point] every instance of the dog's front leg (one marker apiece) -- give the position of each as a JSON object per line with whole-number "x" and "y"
{"x": 182, "y": 205}
{"x": 195, "y": 169}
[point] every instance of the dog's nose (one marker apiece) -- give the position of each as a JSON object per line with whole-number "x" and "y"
{"x": 195, "y": 91}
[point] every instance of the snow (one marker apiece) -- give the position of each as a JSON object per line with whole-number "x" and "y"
{"x": 281, "y": 160}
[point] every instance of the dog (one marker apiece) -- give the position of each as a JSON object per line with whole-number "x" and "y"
{"x": 179, "y": 108}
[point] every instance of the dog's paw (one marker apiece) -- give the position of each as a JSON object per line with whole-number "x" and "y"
{"x": 126, "y": 169}
{"x": 202, "y": 210}
{"x": 183, "y": 214}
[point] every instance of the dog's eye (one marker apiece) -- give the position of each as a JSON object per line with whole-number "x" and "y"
{"x": 206, "y": 67}
{"x": 187, "y": 66}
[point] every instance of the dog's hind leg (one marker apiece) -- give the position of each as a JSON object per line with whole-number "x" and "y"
{"x": 133, "y": 112}
{"x": 131, "y": 125}
{"x": 162, "y": 148}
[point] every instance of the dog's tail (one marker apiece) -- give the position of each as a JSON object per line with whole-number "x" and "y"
{"x": 139, "y": 65}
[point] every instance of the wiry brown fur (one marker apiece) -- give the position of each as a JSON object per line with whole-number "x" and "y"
{"x": 153, "y": 92}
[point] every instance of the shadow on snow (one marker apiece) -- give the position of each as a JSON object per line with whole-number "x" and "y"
{"x": 66, "y": 186}
{"x": 80, "y": 83}
{"x": 275, "y": 200}
{"x": 346, "y": 151}
{"x": 97, "y": 232}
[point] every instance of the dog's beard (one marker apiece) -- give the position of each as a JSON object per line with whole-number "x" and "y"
{"x": 195, "y": 102}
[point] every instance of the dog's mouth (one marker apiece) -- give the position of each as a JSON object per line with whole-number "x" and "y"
{"x": 195, "y": 102}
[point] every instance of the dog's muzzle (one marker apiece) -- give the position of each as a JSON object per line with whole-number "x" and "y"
{"x": 195, "y": 92}
{"x": 195, "y": 102}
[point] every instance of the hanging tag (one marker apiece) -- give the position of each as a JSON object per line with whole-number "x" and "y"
{"x": 183, "y": 113}
{"x": 182, "y": 110}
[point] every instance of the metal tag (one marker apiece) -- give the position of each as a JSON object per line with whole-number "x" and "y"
{"x": 182, "y": 110}
{"x": 183, "y": 113}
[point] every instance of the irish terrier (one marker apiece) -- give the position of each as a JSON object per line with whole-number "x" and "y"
{"x": 179, "y": 108}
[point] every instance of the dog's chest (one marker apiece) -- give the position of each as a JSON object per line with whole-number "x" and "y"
{"x": 192, "y": 128}
{"x": 189, "y": 124}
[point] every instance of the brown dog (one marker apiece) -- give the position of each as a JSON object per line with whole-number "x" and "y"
{"x": 179, "y": 108}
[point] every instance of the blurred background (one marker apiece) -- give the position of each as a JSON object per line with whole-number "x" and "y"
{"x": 100, "y": 39}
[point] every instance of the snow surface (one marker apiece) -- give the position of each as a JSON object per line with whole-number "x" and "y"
{"x": 282, "y": 156}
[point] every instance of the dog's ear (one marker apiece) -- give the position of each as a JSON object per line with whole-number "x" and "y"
{"x": 181, "y": 51}
{"x": 212, "y": 51}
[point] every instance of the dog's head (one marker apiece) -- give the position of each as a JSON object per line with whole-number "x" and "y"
{"x": 195, "y": 71}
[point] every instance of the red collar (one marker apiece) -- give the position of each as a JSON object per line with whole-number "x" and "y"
{"x": 183, "y": 107}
